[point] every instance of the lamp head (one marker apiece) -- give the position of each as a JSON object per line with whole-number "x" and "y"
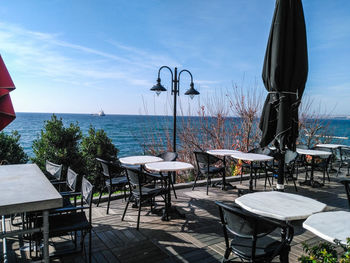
{"x": 192, "y": 91}
{"x": 158, "y": 88}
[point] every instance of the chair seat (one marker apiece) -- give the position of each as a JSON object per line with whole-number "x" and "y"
{"x": 147, "y": 191}
{"x": 64, "y": 223}
{"x": 265, "y": 247}
{"x": 117, "y": 181}
{"x": 212, "y": 170}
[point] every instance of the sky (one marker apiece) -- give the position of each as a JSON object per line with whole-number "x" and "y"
{"x": 81, "y": 56}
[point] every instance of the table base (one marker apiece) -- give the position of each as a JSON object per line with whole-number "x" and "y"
{"x": 312, "y": 183}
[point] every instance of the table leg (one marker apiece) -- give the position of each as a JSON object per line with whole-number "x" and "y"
{"x": 251, "y": 177}
{"x": 46, "y": 236}
{"x": 223, "y": 183}
{"x": 312, "y": 182}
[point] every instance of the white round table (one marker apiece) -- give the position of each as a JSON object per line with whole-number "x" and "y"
{"x": 330, "y": 145}
{"x": 223, "y": 153}
{"x": 279, "y": 205}
{"x": 140, "y": 159}
{"x": 312, "y": 153}
{"x": 252, "y": 157}
{"x": 330, "y": 225}
{"x": 169, "y": 167}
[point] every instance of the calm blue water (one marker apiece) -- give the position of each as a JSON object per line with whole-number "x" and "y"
{"x": 128, "y": 132}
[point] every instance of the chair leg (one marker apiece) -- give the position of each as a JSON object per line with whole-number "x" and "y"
{"x": 109, "y": 199}
{"x": 138, "y": 215}
{"x": 172, "y": 186}
{"x": 126, "y": 207}
{"x": 207, "y": 184}
{"x": 195, "y": 181}
{"x": 99, "y": 199}
{"x": 90, "y": 239}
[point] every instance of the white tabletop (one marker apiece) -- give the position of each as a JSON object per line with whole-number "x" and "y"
{"x": 330, "y": 145}
{"x": 24, "y": 188}
{"x": 140, "y": 159}
{"x": 253, "y": 157}
{"x": 279, "y": 205}
{"x": 330, "y": 225}
{"x": 169, "y": 166}
{"x": 222, "y": 152}
{"x": 313, "y": 152}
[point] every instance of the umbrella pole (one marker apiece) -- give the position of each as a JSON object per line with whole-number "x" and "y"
{"x": 280, "y": 178}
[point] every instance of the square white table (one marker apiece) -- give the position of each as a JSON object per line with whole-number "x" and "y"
{"x": 312, "y": 153}
{"x": 24, "y": 188}
{"x": 330, "y": 226}
{"x": 251, "y": 157}
{"x": 223, "y": 153}
{"x": 281, "y": 206}
{"x": 169, "y": 167}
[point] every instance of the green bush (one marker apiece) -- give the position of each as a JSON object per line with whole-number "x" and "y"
{"x": 59, "y": 144}
{"x": 10, "y": 150}
{"x": 96, "y": 145}
{"x": 326, "y": 253}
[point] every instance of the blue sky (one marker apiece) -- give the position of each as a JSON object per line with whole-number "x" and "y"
{"x": 82, "y": 55}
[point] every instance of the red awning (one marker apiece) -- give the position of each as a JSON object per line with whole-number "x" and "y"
{"x": 7, "y": 113}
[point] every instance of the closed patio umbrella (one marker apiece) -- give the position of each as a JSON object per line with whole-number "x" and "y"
{"x": 284, "y": 75}
{"x": 7, "y": 113}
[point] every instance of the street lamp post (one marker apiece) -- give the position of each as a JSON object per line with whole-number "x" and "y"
{"x": 175, "y": 91}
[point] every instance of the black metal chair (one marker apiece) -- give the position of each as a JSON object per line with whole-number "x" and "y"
{"x": 346, "y": 183}
{"x": 251, "y": 235}
{"x": 113, "y": 179}
{"x": 345, "y": 159}
{"x": 141, "y": 192}
{"x": 322, "y": 162}
{"x": 67, "y": 188}
{"x": 290, "y": 158}
{"x": 63, "y": 221}
{"x": 53, "y": 171}
{"x": 169, "y": 157}
{"x": 257, "y": 167}
{"x": 206, "y": 167}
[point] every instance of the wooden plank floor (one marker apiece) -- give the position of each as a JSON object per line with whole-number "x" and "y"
{"x": 197, "y": 238}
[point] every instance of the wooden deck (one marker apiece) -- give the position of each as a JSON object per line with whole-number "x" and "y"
{"x": 197, "y": 238}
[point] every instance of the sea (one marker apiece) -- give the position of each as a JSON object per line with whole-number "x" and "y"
{"x": 129, "y": 133}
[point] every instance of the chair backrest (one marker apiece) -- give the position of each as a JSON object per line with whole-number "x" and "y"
{"x": 168, "y": 156}
{"x": 105, "y": 167}
{"x": 242, "y": 223}
{"x": 290, "y": 157}
{"x": 72, "y": 178}
{"x": 204, "y": 159}
{"x": 136, "y": 178}
{"x": 345, "y": 152}
{"x": 55, "y": 170}
{"x": 264, "y": 150}
{"x": 86, "y": 191}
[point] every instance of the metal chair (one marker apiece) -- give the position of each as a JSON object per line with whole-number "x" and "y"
{"x": 290, "y": 158}
{"x": 322, "y": 162}
{"x": 141, "y": 192}
{"x": 346, "y": 183}
{"x": 111, "y": 181}
{"x": 345, "y": 159}
{"x": 205, "y": 167}
{"x": 53, "y": 171}
{"x": 170, "y": 157}
{"x": 63, "y": 221}
{"x": 257, "y": 167}
{"x": 251, "y": 240}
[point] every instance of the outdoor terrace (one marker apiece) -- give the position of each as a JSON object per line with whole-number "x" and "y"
{"x": 197, "y": 238}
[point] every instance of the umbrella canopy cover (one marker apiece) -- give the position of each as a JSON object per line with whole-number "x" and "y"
{"x": 7, "y": 113}
{"x": 284, "y": 75}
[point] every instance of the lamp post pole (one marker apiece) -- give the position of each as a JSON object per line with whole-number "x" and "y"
{"x": 175, "y": 91}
